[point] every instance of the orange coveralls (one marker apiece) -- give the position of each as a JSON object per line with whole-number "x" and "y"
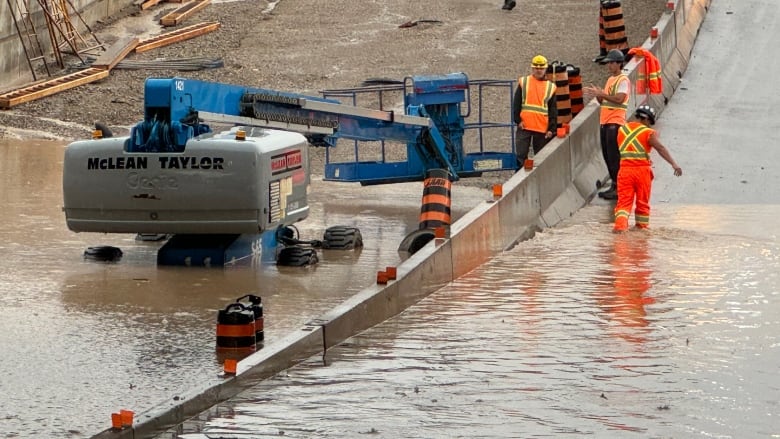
{"x": 635, "y": 178}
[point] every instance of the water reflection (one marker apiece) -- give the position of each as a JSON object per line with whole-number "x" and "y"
{"x": 626, "y": 283}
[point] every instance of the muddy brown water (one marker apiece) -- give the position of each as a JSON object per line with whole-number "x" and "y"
{"x": 81, "y": 339}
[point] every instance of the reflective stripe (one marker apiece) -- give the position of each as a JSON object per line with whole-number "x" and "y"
{"x": 536, "y": 108}
{"x": 613, "y": 91}
{"x": 630, "y": 147}
{"x": 534, "y": 114}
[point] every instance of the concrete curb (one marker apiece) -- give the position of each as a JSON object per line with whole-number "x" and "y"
{"x": 563, "y": 182}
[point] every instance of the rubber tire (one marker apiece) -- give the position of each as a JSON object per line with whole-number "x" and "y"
{"x": 296, "y": 256}
{"x": 342, "y": 238}
{"x": 420, "y": 242}
{"x": 103, "y": 253}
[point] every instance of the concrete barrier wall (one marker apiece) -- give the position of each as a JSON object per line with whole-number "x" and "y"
{"x": 563, "y": 182}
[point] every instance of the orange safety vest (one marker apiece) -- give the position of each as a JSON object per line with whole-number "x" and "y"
{"x": 634, "y": 144}
{"x": 649, "y": 76}
{"x": 533, "y": 112}
{"x": 610, "y": 112}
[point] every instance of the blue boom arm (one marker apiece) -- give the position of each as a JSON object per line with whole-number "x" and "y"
{"x": 177, "y": 109}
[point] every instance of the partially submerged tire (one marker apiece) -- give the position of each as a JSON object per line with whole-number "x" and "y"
{"x": 296, "y": 256}
{"x": 103, "y": 253}
{"x": 416, "y": 240}
{"x": 342, "y": 238}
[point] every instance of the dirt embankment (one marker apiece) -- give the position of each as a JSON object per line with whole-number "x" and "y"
{"x": 310, "y": 45}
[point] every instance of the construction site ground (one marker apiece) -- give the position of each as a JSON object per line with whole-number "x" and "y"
{"x": 310, "y": 45}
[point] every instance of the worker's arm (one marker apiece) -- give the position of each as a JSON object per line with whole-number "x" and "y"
{"x": 663, "y": 152}
{"x": 602, "y": 95}
{"x": 618, "y": 98}
{"x": 552, "y": 116}
{"x": 517, "y": 104}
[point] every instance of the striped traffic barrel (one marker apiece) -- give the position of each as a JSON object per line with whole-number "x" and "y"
{"x": 602, "y": 38}
{"x": 256, "y": 305}
{"x": 557, "y": 73}
{"x": 614, "y": 26}
{"x": 575, "y": 89}
{"x": 236, "y": 327}
{"x": 436, "y": 200}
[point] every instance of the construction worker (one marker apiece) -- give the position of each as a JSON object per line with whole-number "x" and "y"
{"x": 635, "y": 178}
{"x": 613, "y": 99}
{"x": 534, "y": 110}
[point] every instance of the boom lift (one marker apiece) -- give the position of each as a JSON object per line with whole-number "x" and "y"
{"x": 226, "y": 195}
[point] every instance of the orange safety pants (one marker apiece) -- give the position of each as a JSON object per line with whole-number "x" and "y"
{"x": 633, "y": 184}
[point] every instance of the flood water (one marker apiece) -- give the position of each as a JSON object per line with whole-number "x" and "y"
{"x": 82, "y": 339}
{"x": 672, "y": 332}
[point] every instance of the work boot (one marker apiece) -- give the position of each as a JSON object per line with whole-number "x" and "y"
{"x": 609, "y": 194}
{"x": 509, "y": 5}
{"x": 621, "y": 224}
{"x": 642, "y": 226}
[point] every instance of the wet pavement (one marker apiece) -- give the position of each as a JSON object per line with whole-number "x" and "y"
{"x": 577, "y": 332}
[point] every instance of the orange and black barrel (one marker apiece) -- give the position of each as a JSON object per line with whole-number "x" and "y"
{"x": 236, "y": 327}
{"x": 256, "y": 305}
{"x": 575, "y": 90}
{"x": 614, "y": 26}
{"x": 436, "y": 200}
{"x": 558, "y": 74}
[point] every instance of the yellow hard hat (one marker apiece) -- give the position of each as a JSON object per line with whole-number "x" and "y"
{"x": 539, "y": 62}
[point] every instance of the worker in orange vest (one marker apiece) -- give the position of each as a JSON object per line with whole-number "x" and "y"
{"x": 534, "y": 110}
{"x": 613, "y": 99}
{"x": 635, "y": 178}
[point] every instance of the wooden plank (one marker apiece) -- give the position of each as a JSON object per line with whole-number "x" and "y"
{"x": 175, "y": 36}
{"x": 148, "y": 4}
{"x": 48, "y": 88}
{"x": 183, "y": 12}
{"x": 116, "y": 53}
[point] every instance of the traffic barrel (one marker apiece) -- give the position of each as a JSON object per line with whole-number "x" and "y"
{"x": 558, "y": 74}
{"x": 575, "y": 90}
{"x": 256, "y": 305}
{"x": 614, "y": 26}
{"x": 436, "y": 200}
{"x": 236, "y": 327}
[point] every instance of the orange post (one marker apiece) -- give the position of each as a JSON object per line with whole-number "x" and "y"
{"x": 391, "y": 272}
{"x": 116, "y": 421}
{"x": 126, "y": 417}
{"x": 381, "y": 277}
{"x": 230, "y": 366}
{"x": 498, "y": 191}
{"x": 561, "y": 132}
{"x": 654, "y": 32}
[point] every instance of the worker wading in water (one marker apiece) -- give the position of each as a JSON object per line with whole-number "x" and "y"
{"x": 534, "y": 110}
{"x": 635, "y": 178}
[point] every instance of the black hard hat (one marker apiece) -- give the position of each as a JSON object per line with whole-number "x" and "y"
{"x": 646, "y": 111}
{"x": 613, "y": 55}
